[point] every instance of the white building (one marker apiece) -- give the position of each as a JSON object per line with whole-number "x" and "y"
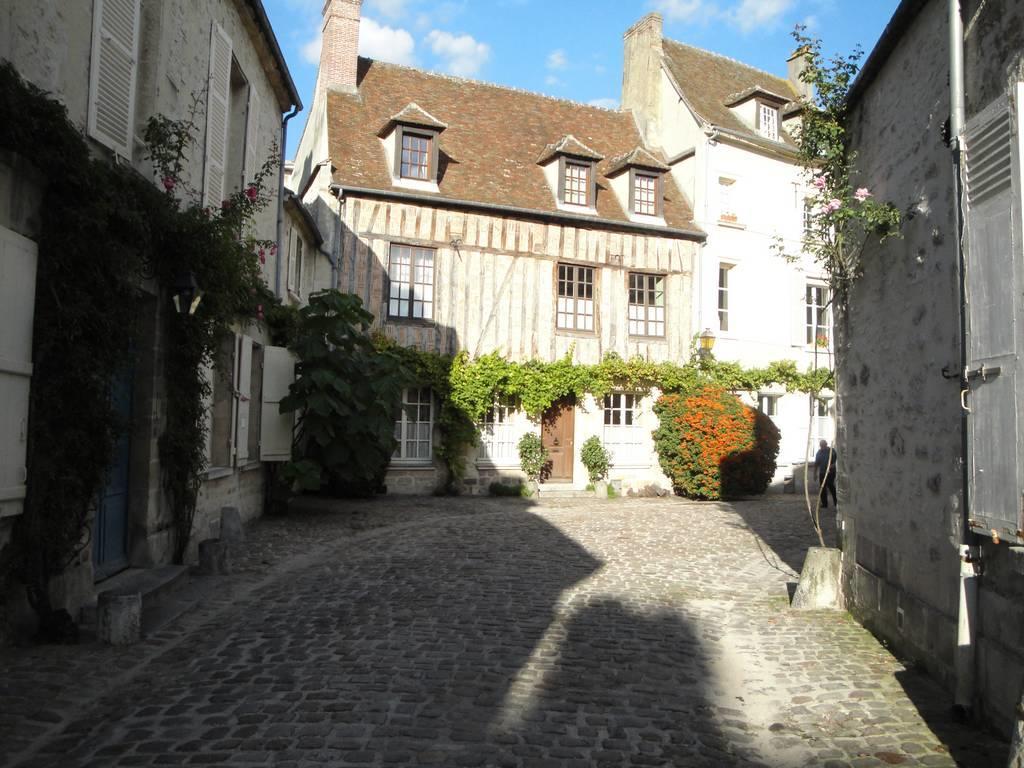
{"x": 726, "y": 129}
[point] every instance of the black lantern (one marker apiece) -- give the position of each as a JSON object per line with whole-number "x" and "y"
{"x": 185, "y": 293}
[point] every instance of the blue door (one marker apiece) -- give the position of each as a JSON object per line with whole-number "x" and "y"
{"x": 110, "y": 530}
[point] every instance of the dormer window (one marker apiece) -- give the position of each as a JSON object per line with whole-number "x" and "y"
{"x": 646, "y": 197}
{"x": 410, "y": 141}
{"x": 576, "y": 183}
{"x": 768, "y": 120}
{"x": 638, "y": 179}
{"x": 416, "y": 156}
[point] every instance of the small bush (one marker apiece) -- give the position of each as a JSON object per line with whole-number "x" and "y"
{"x": 505, "y": 489}
{"x": 532, "y": 455}
{"x": 712, "y": 446}
{"x": 596, "y": 458}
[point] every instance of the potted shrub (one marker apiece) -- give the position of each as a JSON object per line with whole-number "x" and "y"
{"x": 532, "y": 458}
{"x": 597, "y": 459}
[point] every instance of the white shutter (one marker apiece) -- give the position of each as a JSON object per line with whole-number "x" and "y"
{"x": 17, "y": 297}
{"x": 276, "y": 428}
{"x": 252, "y": 125}
{"x": 115, "y": 39}
{"x": 209, "y": 375}
{"x": 993, "y": 277}
{"x": 243, "y": 390}
{"x": 218, "y": 99}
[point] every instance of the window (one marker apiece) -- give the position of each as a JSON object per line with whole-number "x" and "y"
{"x": 823, "y": 418}
{"x": 411, "y": 283}
{"x": 500, "y": 434}
{"x": 768, "y": 121}
{"x": 414, "y": 425}
{"x": 575, "y": 310}
{"x": 818, "y": 325}
{"x": 577, "y": 183}
{"x": 295, "y": 267}
{"x": 646, "y": 304}
{"x": 645, "y": 194}
{"x": 768, "y": 404}
{"x": 727, "y": 199}
{"x": 723, "y": 296}
{"x": 416, "y": 152}
{"x": 623, "y": 435}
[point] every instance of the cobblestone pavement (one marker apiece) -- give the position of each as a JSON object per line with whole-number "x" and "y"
{"x": 486, "y": 632}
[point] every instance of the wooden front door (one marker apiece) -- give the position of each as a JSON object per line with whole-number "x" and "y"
{"x": 557, "y": 437}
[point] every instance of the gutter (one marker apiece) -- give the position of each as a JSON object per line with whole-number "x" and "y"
{"x": 280, "y": 197}
{"x": 526, "y": 213}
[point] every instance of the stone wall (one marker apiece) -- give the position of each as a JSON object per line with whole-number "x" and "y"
{"x": 900, "y": 471}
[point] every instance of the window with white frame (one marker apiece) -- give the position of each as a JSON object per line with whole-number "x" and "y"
{"x": 645, "y": 194}
{"x": 817, "y": 323}
{"x": 623, "y": 435}
{"x": 500, "y": 432}
{"x": 768, "y": 404}
{"x": 414, "y": 425}
{"x": 577, "y": 184}
{"x": 727, "y": 199}
{"x": 823, "y": 418}
{"x": 723, "y": 296}
{"x": 411, "y": 283}
{"x": 295, "y": 267}
{"x": 575, "y": 311}
{"x": 768, "y": 121}
{"x": 646, "y": 304}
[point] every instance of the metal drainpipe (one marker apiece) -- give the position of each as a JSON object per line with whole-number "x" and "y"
{"x": 967, "y": 613}
{"x": 280, "y": 199}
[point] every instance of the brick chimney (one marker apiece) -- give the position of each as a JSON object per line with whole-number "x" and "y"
{"x": 795, "y": 65}
{"x": 340, "y": 49}
{"x": 641, "y": 75}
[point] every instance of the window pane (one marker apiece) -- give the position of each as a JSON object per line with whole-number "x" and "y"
{"x": 576, "y": 182}
{"x": 645, "y": 189}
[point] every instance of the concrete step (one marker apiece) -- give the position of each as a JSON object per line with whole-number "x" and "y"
{"x": 164, "y": 590}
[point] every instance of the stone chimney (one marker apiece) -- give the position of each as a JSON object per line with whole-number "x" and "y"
{"x": 340, "y": 49}
{"x": 641, "y": 75}
{"x": 796, "y": 64}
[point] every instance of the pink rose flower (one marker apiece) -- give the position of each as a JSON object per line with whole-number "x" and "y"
{"x": 273, "y": 250}
{"x": 820, "y": 181}
{"x": 169, "y": 182}
{"x": 833, "y": 205}
{"x": 862, "y": 194}
{"x": 263, "y": 257}
{"x": 251, "y": 192}
{"x": 225, "y": 204}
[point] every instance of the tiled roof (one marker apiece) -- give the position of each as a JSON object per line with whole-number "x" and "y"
{"x": 412, "y": 114}
{"x": 710, "y": 81}
{"x": 639, "y": 157}
{"x": 489, "y": 152}
{"x": 568, "y": 145}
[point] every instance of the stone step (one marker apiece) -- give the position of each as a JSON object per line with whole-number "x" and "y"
{"x": 556, "y": 491}
{"x": 163, "y": 595}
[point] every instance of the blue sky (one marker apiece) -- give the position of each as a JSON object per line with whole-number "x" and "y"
{"x": 566, "y": 48}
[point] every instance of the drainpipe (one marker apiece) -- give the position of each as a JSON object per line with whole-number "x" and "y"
{"x": 280, "y": 199}
{"x": 967, "y": 612}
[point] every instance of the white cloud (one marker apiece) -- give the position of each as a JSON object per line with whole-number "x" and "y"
{"x": 604, "y": 103}
{"x": 462, "y": 54}
{"x": 552, "y": 80}
{"x": 557, "y": 60}
{"x": 755, "y": 14}
{"x": 679, "y": 10}
{"x": 377, "y": 41}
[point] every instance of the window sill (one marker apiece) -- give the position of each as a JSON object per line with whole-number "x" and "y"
{"x": 251, "y": 465}
{"x": 638, "y": 337}
{"x": 573, "y": 208}
{"x": 217, "y": 473}
{"x": 410, "y": 321}
{"x": 418, "y": 185}
{"x": 731, "y": 224}
{"x": 576, "y": 334}
{"x": 409, "y": 464}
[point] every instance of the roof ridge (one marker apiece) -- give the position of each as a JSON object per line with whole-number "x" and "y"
{"x": 455, "y": 78}
{"x": 730, "y": 59}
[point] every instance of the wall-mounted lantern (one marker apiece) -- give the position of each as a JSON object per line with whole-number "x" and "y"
{"x": 707, "y": 343}
{"x": 185, "y": 293}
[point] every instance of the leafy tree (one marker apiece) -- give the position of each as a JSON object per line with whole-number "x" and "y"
{"x": 346, "y": 391}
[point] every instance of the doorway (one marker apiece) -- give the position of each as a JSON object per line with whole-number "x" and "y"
{"x": 557, "y": 436}
{"x": 110, "y": 529}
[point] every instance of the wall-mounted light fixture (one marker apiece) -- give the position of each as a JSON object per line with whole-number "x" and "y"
{"x": 707, "y": 343}
{"x": 185, "y": 293}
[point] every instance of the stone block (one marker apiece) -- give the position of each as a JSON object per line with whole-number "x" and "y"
{"x": 119, "y": 617}
{"x": 214, "y": 557}
{"x": 231, "y": 531}
{"x": 819, "y": 580}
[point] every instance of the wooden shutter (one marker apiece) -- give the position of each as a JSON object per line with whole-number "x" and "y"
{"x": 17, "y": 297}
{"x": 243, "y": 387}
{"x": 218, "y": 99}
{"x": 112, "y": 70}
{"x": 252, "y": 124}
{"x": 993, "y": 278}
{"x": 275, "y": 427}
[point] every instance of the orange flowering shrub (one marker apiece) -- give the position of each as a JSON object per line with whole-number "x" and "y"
{"x": 712, "y": 446}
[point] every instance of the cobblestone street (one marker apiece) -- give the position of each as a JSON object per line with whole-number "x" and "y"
{"x": 480, "y": 632}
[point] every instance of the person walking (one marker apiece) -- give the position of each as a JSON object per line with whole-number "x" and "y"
{"x": 825, "y": 462}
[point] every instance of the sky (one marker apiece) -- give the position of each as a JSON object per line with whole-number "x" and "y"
{"x": 566, "y": 48}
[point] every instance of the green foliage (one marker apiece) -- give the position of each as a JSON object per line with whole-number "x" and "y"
{"x": 844, "y": 216}
{"x": 505, "y": 489}
{"x": 533, "y": 456}
{"x": 712, "y": 446}
{"x": 596, "y": 458}
{"x": 346, "y": 392}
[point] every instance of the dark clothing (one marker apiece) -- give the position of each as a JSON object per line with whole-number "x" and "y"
{"x": 825, "y": 462}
